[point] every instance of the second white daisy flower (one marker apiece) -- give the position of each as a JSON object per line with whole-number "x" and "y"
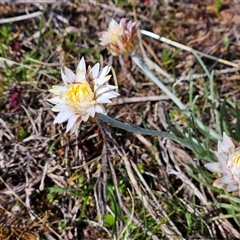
{"x": 120, "y": 38}
{"x": 227, "y": 169}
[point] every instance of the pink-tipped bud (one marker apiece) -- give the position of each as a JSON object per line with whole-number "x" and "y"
{"x": 120, "y": 38}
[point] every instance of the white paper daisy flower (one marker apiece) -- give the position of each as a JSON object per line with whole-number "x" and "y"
{"x": 120, "y": 38}
{"x": 83, "y": 95}
{"x": 227, "y": 169}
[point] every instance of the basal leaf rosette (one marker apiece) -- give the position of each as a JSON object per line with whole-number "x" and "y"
{"x": 120, "y": 38}
{"x": 83, "y": 94}
{"x": 227, "y": 169}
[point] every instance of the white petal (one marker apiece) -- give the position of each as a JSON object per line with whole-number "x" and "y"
{"x": 62, "y": 107}
{"x": 104, "y": 39}
{"x": 55, "y": 100}
{"x": 91, "y": 111}
{"x": 82, "y": 65}
{"x": 214, "y": 167}
{"x": 63, "y": 116}
{"x": 56, "y": 89}
{"x": 226, "y": 144}
{"x": 81, "y": 71}
{"x": 217, "y": 184}
{"x": 68, "y": 76}
{"x": 107, "y": 86}
{"x": 113, "y": 24}
{"x": 101, "y": 80}
{"x": 232, "y": 188}
{"x": 105, "y": 98}
{"x": 227, "y": 180}
{"x": 85, "y": 117}
{"x": 80, "y": 77}
{"x": 122, "y": 21}
{"x": 94, "y": 71}
{"x": 102, "y": 99}
{"x": 226, "y": 170}
{"x": 71, "y": 121}
{"x": 111, "y": 94}
{"x": 221, "y": 157}
{"x": 56, "y": 109}
{"x": 104, "y": 71}
{"x": 235, "y": 170}
{"x": 227, "y": 141}
{"x": 99, "y": 109}
{"x": 103, "y": 88}
{"x": 75, "y": 126}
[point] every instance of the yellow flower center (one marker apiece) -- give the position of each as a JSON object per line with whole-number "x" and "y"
{"x": 115, "y": 33}
{"x": 236, "y": 159}
{"x": 234, "y": 164}
{"x": 80, "y": 92}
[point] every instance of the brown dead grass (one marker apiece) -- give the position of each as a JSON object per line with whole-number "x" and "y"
{"x": 36, "y": 155}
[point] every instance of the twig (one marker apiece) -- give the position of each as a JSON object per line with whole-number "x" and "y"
{"x": 31, "y": 120}
{"x": 41, "y": 187}
{"x": 197, "y": 75}
{"x": 4, "y": 125}
{"x": 126, "y": 73}
{"x": 10, "y": 63}
{"x": 29, "y": 1}
{"x": 120, "y": 101}
{"x": 186, "y": 48}
{"x": 21, "y": 18}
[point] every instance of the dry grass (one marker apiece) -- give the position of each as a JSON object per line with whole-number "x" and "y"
{"x": 107, "y": 183}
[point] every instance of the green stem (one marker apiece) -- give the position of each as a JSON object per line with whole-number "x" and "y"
{"x": 133, "y": 128}
{"x": 176, "y": 100}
